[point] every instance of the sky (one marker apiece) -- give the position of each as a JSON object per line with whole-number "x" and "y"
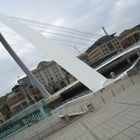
{"x": 82, "y": 15}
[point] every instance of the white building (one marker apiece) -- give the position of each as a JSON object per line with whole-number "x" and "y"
{"x": 50, "y": 75}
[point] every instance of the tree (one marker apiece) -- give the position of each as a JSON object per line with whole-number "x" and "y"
{"x": 6, "y": 110}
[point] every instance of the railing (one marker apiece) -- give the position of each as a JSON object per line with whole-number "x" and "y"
{"x": 58, "y": 123}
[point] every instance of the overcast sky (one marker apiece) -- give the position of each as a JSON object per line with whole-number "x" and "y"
{"x": 83, "y": 15}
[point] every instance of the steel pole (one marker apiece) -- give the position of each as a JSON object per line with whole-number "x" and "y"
{"x": 43, "y": 91}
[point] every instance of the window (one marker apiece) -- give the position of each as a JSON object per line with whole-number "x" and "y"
{"x": 110, "y": 46}
{"x": 24, "y": 104}
{"x": 1, "y": 121}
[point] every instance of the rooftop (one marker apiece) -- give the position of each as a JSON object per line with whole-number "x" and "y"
{"x": 127, "y": 31}
{"x": 101, "y": 40}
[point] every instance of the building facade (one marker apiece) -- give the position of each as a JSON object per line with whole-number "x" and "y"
{"x": 130, "y": 36}
{"x": 104, "y": 46}
{"x": 50, "y": 75}
{"x": 84, "y": 57}
{"x": 18, "y": 99}
{"x": 2, "y": 118}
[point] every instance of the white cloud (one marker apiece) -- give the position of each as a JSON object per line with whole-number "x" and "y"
{"x": 124, "y": 15}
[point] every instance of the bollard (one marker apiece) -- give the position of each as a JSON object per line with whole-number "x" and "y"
{"x": 67, "y": 117}
{"x": 103, "y": 99}
{"x": 113, "y": 93}
{"x": 132, "y": 81}
{"x": 123, "y": 87}
{"x": 90, "y": 107}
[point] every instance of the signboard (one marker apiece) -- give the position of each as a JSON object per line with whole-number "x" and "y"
{"x": 24, "y": 119}
{"x": 29, "y": 120}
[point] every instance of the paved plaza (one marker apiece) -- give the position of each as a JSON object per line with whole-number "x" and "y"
{"x": 118, "y": 119}
{"x": 116, "y": 116}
